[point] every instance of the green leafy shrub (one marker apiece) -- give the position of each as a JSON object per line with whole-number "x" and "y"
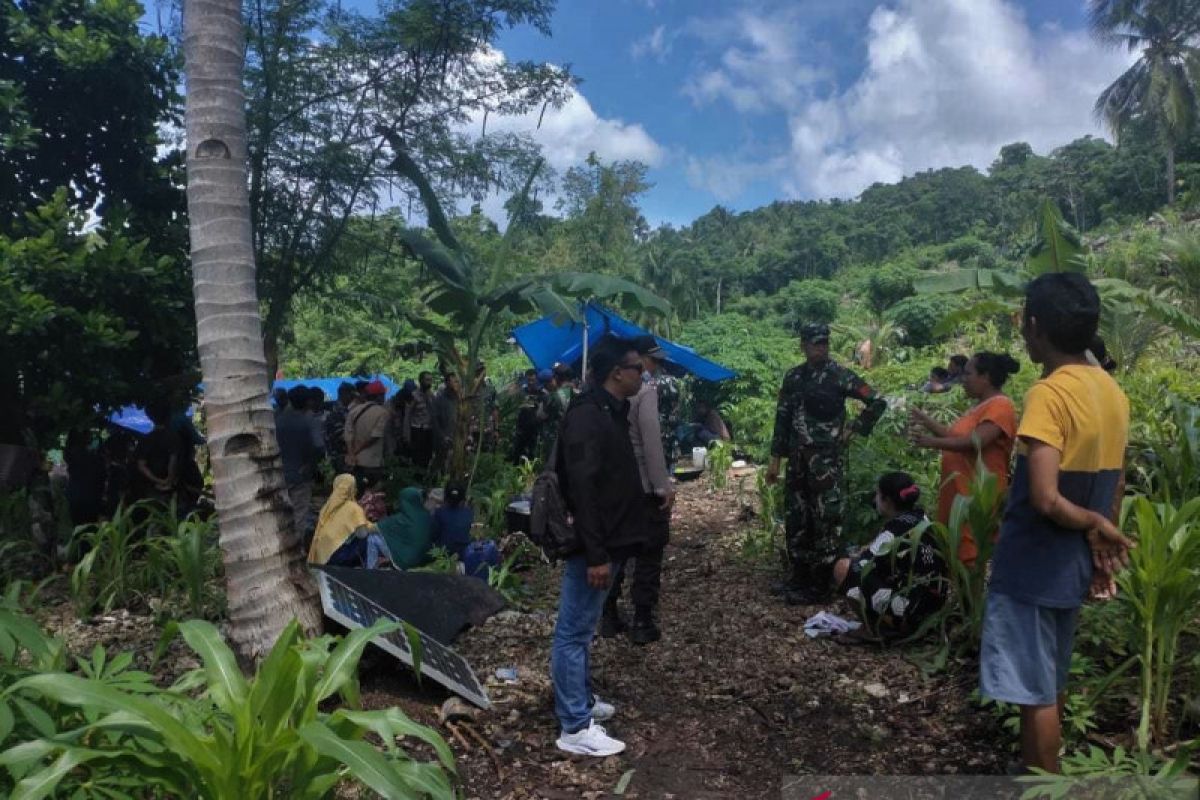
{"x": 1119, "y": 774}
{"x": 887, "y": 285}
{"x": 801, "y": 302}
{"x": 215, "y": 734}
{"x": 1170, "y": 469}
{"x": 918, "y": 317}
{"x": 21, "y": 554}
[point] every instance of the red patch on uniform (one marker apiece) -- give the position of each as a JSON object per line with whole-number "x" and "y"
{"x": 864, "y": 391}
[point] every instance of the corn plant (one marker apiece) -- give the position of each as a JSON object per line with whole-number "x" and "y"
{"x": 720, "y": 459}
{"x": 528, "y": 472}
{"x": 505, "y": 581}
{"x": 965, "y": 588}
{"x": 1162, "y": 589}
{"x": 187, "y": 562}
{"x": 111, "y": 572}
{"x": 217, "y": 735}
{"x": 760, "y": 544}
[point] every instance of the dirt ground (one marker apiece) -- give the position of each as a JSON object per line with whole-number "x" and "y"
{"x": 734, "y": 697}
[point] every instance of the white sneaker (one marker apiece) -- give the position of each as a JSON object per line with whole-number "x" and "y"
{"x": 602, "y": 711}
{"x": 591, "y": 741}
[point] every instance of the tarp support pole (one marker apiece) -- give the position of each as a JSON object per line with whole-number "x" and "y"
{"x": 585, "y": 345}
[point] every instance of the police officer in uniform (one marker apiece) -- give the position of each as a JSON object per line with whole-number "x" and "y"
{"x": 811, "y": 432}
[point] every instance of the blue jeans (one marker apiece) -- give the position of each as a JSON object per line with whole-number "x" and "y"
{"x": 361, "y": 551}
{"x": 579, "y": 609}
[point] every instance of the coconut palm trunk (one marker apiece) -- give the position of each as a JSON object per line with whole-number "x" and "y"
{"x": 266, "y": 580}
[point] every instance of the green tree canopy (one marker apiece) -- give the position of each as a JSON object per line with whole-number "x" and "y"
{"x": 89, "y": 319}
{"x": 82, "y": 97}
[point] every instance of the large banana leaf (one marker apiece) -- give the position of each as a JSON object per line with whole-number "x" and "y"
{"x": 592, "y": 286}
{"x": 1058, "y": 248}
{"x": 404, "y": 164}
{"x": 441, "y": 260}
{"x": 962, "y": 280}
{"x": 984, "y": 308}
{"x": 460, "y": 305}
{"x": 527, "y": 295}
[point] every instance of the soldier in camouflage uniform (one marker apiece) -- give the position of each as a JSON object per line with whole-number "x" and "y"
{"x": 554, "y": 407}
{"x": 811, "y": 432}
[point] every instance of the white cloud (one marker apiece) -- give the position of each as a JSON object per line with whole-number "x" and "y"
{"x": 764, "y": 65}
{"x": 656, "y": 44}
{"x": 569, "y": 133}
{"x": 946, "y": 83}
{"x": 566, "y": 135}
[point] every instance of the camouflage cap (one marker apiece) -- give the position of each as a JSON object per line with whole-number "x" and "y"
{"x": 814, "y": 333}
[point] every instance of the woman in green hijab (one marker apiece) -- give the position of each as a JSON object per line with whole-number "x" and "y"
{"x": 409, "y": 531}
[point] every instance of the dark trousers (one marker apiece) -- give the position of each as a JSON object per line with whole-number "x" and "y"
{"x": 421, "y": 446}
{"x": 647, "y": 566}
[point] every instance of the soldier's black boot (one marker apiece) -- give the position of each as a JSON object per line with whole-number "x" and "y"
{"x": 817, "y": 588}
{"x": 644, "y": 631}
{"x": 611, "y": 623}
{"x": 793, "y": 582}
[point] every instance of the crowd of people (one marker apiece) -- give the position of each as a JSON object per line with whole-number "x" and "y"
{"x": 104, "y": 472}
{"x": 1057, "y": 543}
{"x": 612, "y": 441}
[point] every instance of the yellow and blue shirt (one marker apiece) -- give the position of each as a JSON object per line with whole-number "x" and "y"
{"x": 1082, "y": 413}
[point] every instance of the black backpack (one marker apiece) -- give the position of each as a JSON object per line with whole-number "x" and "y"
{"x": 550, "y": 526}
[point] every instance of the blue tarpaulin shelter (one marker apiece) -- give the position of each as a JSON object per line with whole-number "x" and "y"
{"x": 133, "y": 418}
{"x": 330, "y": 385}
{"x": 547, "y": 342}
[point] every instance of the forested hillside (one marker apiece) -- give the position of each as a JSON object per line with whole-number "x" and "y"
{"x": 851, "y": 262}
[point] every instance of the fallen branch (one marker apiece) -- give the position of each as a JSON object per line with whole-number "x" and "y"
{"x": 484, "y": 744}
{"x": 454, "y": 730}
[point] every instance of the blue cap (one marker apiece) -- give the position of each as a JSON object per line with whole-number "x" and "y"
{"x": 545, "y": 375}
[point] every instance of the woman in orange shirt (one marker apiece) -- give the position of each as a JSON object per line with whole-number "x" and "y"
{"x": 989, "y": 429}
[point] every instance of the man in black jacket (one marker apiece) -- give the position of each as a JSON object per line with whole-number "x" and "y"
{"x": 599, "y": 474}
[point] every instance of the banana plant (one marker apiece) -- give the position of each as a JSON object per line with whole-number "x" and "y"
{"x": 1058, "y": 248}
{"x": 459, "y": 317}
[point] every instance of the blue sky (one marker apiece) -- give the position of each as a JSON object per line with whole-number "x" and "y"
{"x": 743, "y": 102}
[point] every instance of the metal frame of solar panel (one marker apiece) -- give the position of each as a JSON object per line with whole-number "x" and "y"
{"x": 344, "y": 605}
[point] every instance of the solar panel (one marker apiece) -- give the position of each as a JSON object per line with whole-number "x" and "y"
{"x": 353, "y": 609}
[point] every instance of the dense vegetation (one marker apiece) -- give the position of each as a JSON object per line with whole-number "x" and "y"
{"x": 351, "y": 139}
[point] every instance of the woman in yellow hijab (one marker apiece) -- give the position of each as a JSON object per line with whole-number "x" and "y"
{"x": 345, "y": 537}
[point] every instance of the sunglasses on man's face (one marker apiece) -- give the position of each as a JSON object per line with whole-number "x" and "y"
{"x": 637, "y": 366}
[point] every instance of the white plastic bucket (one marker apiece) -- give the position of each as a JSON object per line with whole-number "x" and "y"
{"x": 699, "y": 457}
